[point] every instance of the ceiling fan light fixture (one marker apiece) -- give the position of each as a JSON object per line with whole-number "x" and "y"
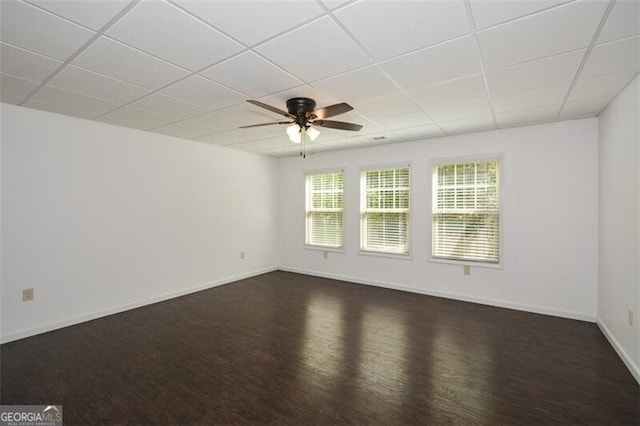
{"x": 294, "y": 133}
{"x": 313, "y": 133}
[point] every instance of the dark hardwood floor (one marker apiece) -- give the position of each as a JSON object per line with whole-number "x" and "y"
{"x": 284, "y": 348}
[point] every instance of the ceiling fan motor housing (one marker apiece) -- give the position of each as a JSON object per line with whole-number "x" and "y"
{"x": 302, "y": 108}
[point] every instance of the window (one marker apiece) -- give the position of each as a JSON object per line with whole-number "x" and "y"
{"x": 466, "y": 211}
{"x": 325, "y": 206}
{"x": 385, "y": 211}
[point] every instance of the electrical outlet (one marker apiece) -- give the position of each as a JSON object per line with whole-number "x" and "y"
{"x": 27, "y": 294}
{"x": 630, "y": 317}
{"x": 326, "y": 254}
{"x": 466, "y": 269}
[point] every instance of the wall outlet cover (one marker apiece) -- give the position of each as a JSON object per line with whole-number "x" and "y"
{"x": 27, "y": 294}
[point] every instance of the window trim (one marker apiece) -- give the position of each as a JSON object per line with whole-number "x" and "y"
{"x": 378, "y": 253}
{"x": 319, "y": 247}
{"x": 461, "y": 160}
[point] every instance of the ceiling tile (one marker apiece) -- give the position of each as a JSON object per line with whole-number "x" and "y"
{"x": 234, "y": 117}
{"x": 602, "y": 85}
{"x": 185, "y": 130}
{"x": 525, "y": 99}
{"x": 92, "y": 14}
{"x": 470, "y": 108}
{"x": 25, "y": 64}
{"x": 250, "y": 74}
{"x": 455, "y": 91}
{"x": 623, "y": 21}
{"x": 334, "y": 3}
{"x": 58, "y": 109}
{"x": 182, "y": 35}
{"x": 8, "y": 98}
{"x": 586, "y": 107}
{"x": 336, "y": 53}
{"x": 386, "y": 106}
{"x": 392, "y": 28}
{"x": 203, "y": 122}
{"x": 476, "y": 124}
{"x": 15, "y": 89}
{"x": 360, "y": 140}
{"x": 117, "y": 121}
{"x": 558, "y": 30}
{"x": 92, "y": 84}
{"x": 527, "y": 116}
{"x": 352, "y": 86}
{"x": 621, "y": 55}
{"x": 114, "y": 59}
{"x": 200, "y": 91}
{"x": 28, "y": 27}
{"x": 404, "y": 121}
{"x": 266, "y": 144}
{"x": 234, "y": 137}
{"x": 136, "y": 115}
{"x": 542, "y": 72}
{"x": 73, "y": 101}
{"x": 220, "y": 139}
{"x": 255, "y": 21}
{"x": 443, "y": 62}
{"x": 420, "y": 132}
{"x": 163, "y": 104}
{"x": 257, "y": 133}
{"x": 489, "y": 13}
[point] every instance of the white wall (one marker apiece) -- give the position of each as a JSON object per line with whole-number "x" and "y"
{"x": 549, "y": 214}
{"x": 99, "y": 218}
{"x": 619, "y": 225}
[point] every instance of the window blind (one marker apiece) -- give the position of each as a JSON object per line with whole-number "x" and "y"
{"x": 466, "y": 212}
{"x": 325, "y": 204}
{"x": 385, "y": 210}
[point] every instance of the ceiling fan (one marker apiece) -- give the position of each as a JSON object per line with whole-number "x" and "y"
{"x": 302, "y": 115}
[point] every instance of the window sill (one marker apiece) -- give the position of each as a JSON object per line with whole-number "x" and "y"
{"x": 324, "y": 248}
{"x": 469, "y": 263}
{"x": 390, "y": 255}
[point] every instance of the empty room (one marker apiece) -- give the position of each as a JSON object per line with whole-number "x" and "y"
{"x": 327, "y": 212}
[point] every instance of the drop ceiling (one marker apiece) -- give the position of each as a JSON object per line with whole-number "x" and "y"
{"x": 412, "y": 70}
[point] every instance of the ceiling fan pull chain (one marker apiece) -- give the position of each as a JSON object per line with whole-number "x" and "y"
{"x": 304, "y": 140}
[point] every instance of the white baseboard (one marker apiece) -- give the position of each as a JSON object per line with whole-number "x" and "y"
{"x": 110, "y": 311}
{"x": 634, "y": 369}
{"x": 447, "y": 295}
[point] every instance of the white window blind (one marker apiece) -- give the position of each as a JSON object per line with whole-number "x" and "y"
{"x": 385, "y": 210}
{"x": 325, "y": 204}
{"x": 466, "y": 212}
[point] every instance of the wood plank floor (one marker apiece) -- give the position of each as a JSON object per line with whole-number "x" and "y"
{"x": 284, "y": 348}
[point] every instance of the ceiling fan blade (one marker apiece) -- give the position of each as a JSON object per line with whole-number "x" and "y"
{"x": 337, "y": 125}
{"x": 265, "y": 124}
{"x": 332, "y": 110}
{"x": 270, "y": 108}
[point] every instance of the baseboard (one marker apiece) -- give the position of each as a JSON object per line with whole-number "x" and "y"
{"x": 447, "y": 295}
{"x": 634, "y": 369}
{"x": 110, "y": 311}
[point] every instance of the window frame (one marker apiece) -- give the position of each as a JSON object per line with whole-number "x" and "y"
{"x": 307, "y": 209}
{"x": 363, "y": 200}
{"x": 431, "y": 199}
